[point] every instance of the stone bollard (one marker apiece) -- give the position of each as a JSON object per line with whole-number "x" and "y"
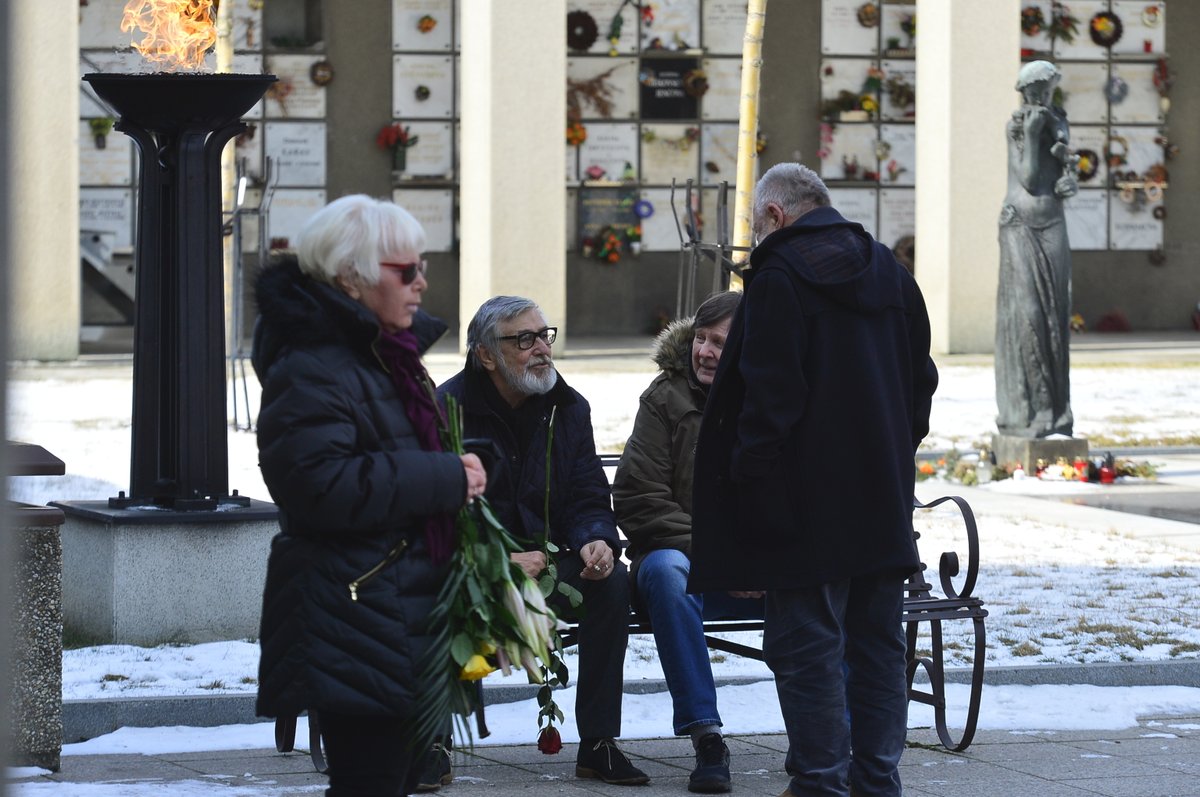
{"x": 37, "y": 618}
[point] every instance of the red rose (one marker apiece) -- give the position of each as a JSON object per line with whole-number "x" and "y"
{"x": 549, "y": 742}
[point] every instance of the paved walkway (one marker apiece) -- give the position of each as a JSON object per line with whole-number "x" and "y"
{"x": 1159, "y": 758}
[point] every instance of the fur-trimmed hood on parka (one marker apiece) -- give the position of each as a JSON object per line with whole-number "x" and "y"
{"x": 672, "y": 349}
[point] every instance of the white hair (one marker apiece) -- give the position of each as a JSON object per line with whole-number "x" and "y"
{"x": 350, "y": 235}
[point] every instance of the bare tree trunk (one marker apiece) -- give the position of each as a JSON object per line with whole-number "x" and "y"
{"x": 747, "y": 151}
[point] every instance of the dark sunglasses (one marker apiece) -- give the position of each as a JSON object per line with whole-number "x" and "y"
{"x": 408, "y": 271}
{"x": 525, "y": 339}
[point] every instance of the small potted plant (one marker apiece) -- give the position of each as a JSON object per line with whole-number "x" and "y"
{"x": 633, "y": 234}
{"x": 100, "y": 128}
{"x": 398, "y": 138}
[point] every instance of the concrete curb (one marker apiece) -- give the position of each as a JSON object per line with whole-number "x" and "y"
{"x": 86, "y": 719}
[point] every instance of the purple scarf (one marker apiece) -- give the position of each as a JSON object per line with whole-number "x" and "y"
{"x": 400, "y": 354}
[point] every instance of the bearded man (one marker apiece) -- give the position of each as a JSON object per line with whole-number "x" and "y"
{"x": 509, "y": 392}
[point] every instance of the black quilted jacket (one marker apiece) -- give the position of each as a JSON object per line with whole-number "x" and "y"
{"x": 353, "y": 487}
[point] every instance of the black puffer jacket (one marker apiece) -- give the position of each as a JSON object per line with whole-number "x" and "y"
{"x": 340, "y": 458}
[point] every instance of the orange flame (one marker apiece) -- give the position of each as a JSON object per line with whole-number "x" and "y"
{"x": 178, "y": 32}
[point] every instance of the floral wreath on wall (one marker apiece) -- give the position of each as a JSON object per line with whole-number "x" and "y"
{"x": 1106, "y": 28}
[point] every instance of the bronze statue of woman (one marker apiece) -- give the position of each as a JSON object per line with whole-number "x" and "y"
{"x": 1033, "y": 305}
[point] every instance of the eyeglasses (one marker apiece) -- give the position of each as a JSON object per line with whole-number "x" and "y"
{"x": 525, "y": 339}
{"x": 408, "y": 271}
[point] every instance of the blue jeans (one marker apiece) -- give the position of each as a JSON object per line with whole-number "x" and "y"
{"x": 808, "y": 634}
{"x": 678, "y": 621}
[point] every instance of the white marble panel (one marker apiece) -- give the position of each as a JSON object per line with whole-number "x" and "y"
{"x": 433, "y": 154}
{"x": 718, "y": 153}
{"x": 108, "y": 210}
{"x": 1141, "y": 104}
{"x": 1145, "y": 27}
{"x": 843, "y": 74}
{"x": 1132, "y": 224}
{"x": 1087, "y": 220}
{"x": 1083, "y": 92}
{"x": 295, "y": 96}
{"x": 111, "y": 164}
{"x": 842, "y": 33}
{"x": 290, "y": 210}
{"x": 724, "y": 26}
{"x": 618, "y": 75}
{"x": 670, "y": 155}
{"x": 1143, "y": 152}
{"x": 900, "y": 165}
{"x": 906, "y": 70}
{"x": 857, "y": 204}
{"x": 897, "y": 215}
{"x": 406, "y": 25}
{"x": 297, "y": 150}
{"x": 1082, "y": 48}
{"x": 724, "y": 95}
{"x": 893, "y": 18}
{"x": 676, "y": 26}
{"x": 435, "y": 210}
{"x": 250, "y": 64}
{"x": 602, "y": 12}
{"x": 853, "y": 145}
{"x": 434, "y": 72}
{"x": 247, "y": 25}
{"x": 659, "y": 233}
{"x": 611, "y": 147}
{"x": 1091, "y": 141}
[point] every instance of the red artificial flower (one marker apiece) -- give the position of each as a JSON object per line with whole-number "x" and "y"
{"x": 391, "y": 136}
{"x": 549, "y": 742}
{"x": 647, "y": 15}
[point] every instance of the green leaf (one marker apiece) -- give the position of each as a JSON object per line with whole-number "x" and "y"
{"x": 546, "y": 584}
{"x": 574, "y": 596}
{"x": 462, "y": 649}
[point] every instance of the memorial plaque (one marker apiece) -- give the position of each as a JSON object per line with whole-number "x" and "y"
{"x": 290, "y": 210}
{"x": 111, "y": 164}
{"x": 1142, "y": 151}
{"x": 1132, "y": 224}
{"x": 428, "y": 76}
{"x": 1141, "y": 100}
{"x": 851, "y": 154}
{"x": 669, "y": 88}
{"x": 670, "y": 152}
{"x": 841, "y": 31}
{"x": 897, "y": 215}
{"x": 676, "y": 26}
{"x": 659, "y": 233}
{"x": 724, "y": 95}
{"x": 601, "y": 13}
{"x": 108, "y": 210}
{"x": 247, "y": 26}
{"x": 857, "y": 204}
{"x": 843, "y": 74}
{"x": 611, "y": 150}
{"x": 710, "y": 201}
{"x": 433, "y": 154}
{"x": 606, "y": 207}
{"x": 297, "y": 151}
{"x": 724, "y": 26}
{"x": 1083, "y": 92}
{"x": 421, "y": 25}
{"x": 614, "y": 81}
{"x": 718, "y": 153}
{"x": 434, "y": 208}
{"x": 1145, "y": 27}
{"x": 1087, "y": 220}
{"x": 899, "y": 166}
{"x": 895, "y": 18}
{"x": 1082, "y": 48}
{"x": 295, "y": 96}
{"x": 905, "y": 71}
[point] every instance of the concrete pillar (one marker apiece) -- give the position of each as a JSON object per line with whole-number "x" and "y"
{"x": 968, "y": 57}
{"x": 43, "y": 170}
{"x": 512, "y": 189}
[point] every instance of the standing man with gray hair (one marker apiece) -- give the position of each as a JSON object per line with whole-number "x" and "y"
{"x": 508, "y": 392}
{"x": 804, "y": 478}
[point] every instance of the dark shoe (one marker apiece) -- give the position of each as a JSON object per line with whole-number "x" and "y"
{"x": 711, "y": 774}
{"x": 435, "y": 769}
{"x": 603, "y": 760}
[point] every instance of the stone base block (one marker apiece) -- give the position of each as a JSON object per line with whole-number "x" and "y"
{"x": 145, "y": 576}
{"x": 1028, "y": 450}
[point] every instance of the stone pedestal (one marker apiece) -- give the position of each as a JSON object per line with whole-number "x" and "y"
{"x": 144, "y": 576}
{"x": 37, "y": 723}
{"x": 1028, "y": 450}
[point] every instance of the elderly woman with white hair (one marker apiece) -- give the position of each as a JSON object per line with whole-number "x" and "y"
{"x": 350, "y": 451}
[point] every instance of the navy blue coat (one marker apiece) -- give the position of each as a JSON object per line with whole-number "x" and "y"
{"x": 580, "y": 503}
{"x": 804, "y": 464}
{"x": 343, "y": 463}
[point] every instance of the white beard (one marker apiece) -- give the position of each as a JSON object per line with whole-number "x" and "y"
{"x": 526, "y": 382}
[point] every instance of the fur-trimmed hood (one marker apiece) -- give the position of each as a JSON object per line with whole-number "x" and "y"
{"x": 672, "y": 349}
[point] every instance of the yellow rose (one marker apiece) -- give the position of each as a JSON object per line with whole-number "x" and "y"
{"x": 476, "y": 667}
